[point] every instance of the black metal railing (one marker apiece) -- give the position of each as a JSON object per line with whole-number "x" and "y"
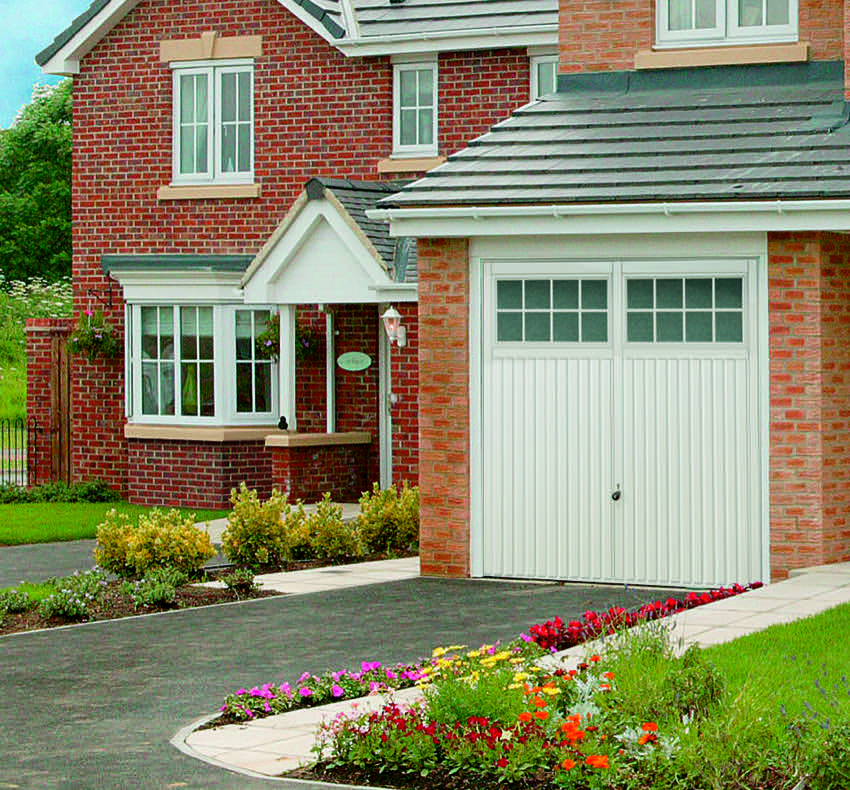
{"x": 17, "y": 449}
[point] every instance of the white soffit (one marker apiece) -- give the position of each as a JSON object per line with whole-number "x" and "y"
{"x": 171, "y": 287}
{"x": 318, "y": 259}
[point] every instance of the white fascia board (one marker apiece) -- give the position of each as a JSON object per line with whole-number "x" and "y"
{"x": 702, "y": 217}
{"x": 396, "y": 292}
{"x": 180, "y": 287}
{"x": 454, "y": 41}
{"x": 66, "y": 62}
{"x": 311, "y": 21}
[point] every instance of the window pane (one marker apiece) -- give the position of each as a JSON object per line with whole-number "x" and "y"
{"x": 187, "y": 98}
{"x": 509, "y": 327}
{"x": 189, "y": 399}
{"x": 698, "y": 293}
{"x": 408, "y": 88}
{"x": 263, "y": 387}
{"x": 668, "y": 327}
{"x": 244, "y": 393}
{"x": 679, "y": 15}
{"x": 639, "y": 328}
{"x": 426, "y": 127}
{"x": 228, "y": 97}
{"x": 537, "y": 327}
{"x": 749, "y": 13}
{"x": 509, "y": 295}
{"x": 698, "y": 327}
{"x": 244, "y": 148}
{"x": 188, "y": 333}
{"x": 187, "y": 149}
{"x": 228, "y": 148}
{"x": 594, "y": 327}
{"x": 777, "y": 12}
{"x": 565, "y": 294}
{"x": 537, "y": 294}
{"x": 166, "y": 388}
{"x": 668, "y": 293}
{"x": 244, "y": 95}
{"x": 166, "y": 333}
{"x": 201, "y": 149}
{"x": 729, "y": 327}
{"x": 205, "y": 333}
{"x": 565, "y": 327}
{"x": 244, "y": 335}
{"x": 201, "y": 98}
{"x": 150, "y": 388}
{"x": 594, "y": 295}
{"x": 728, "y": 292}
{"x": 706, "y": 14}
{"x": 407, "y": 127}
{"x": 546, "y": 78}
{"x": 426, "y": 88}
{"x": 207, "y": 377}
{"x": 639, "y": 294}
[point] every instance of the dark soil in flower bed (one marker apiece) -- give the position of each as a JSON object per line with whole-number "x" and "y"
{"x": 304, "y": 565}
{"x": 114, "y": 603}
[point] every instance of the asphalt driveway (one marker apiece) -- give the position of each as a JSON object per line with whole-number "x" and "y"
{"x": 94, "y": 706}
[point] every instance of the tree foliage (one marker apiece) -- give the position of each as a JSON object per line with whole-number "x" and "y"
{"x": 35, "y": 187}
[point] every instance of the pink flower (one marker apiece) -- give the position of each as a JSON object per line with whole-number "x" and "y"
{"x": 305, "y": 692}
{"x": 336, "y": 690}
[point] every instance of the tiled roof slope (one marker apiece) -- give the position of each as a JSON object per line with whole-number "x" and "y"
{"x": 654, "y": 144}
{"x": 69, "y": 32}
{"x": 358, "y": 197}
{"x": 382, "y": 18}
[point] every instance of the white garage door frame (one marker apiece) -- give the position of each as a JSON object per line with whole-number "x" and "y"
{"x": 659, "y": 255}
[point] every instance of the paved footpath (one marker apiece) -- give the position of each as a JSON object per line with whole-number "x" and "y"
{"x": 93, "y": 707}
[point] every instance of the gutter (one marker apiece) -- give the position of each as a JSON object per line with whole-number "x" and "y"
{"x": 355, "y": 45}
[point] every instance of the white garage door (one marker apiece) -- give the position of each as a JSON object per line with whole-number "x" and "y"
{"x": 619, "y": 424}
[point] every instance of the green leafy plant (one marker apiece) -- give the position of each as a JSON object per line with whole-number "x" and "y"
{"x": 93, "y": 337}
{"x": 487, "y": 694}
{"x": 299, "y": 539}
{"x": 255, "y": 536}
{"x": 74, "y": 596}
{"x": 158, "y": 587}
{"x": 159, "y": 539}
{"x": 389, "y": 519}
{"x": 240, "y": 581}
{"x": 332, "y": 538}
{"x": 14, "y": 601}
{"x": 92, "y": 491}
{"x": 307, "y": 341}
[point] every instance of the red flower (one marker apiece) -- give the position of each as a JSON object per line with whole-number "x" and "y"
{"x": 502, "y": 762}
{"x": 650, "y": 726}
{"x": 568, "y": 764}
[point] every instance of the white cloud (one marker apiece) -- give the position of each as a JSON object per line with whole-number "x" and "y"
{"x": 27, "y": 29}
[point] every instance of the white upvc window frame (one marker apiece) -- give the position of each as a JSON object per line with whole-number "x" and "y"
{"x": 224, "y": 369}
{"x": 726, "y": 31}
{"x": 213, "y": 72}
{"x": 419, "y": 149}
{"x": 534, "y": 78}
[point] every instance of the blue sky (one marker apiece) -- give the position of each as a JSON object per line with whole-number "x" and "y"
{"x": 28, "y": 27}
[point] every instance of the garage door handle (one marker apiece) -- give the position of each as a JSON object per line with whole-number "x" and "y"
{"x": 616, "y": 495}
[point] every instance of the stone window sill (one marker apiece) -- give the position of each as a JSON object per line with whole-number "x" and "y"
{"x": 722, "y": 56}
{"x": 199, "y": 433}
{"x": 199, "y": 192}
{"x": 317, "y": 439}
{"x": 412, "y": 165}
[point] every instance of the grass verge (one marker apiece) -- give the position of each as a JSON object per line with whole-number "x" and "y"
{"x": 45, "y": 522}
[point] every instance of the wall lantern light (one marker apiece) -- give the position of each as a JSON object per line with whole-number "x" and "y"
{"x": 395, "y": 331}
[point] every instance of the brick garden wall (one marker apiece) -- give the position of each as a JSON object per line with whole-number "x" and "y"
{"x": 444, "y": 407}
{"x": 598, "y": 35}
{"x": 307, "y": 473}
{"x": 122, "y": 154}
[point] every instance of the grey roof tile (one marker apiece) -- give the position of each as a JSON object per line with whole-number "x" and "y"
{"x": 662, "y": 144}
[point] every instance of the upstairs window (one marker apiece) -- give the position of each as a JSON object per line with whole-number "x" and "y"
{"x": 415, "y": 109}
{"x": 544, "y": 75}
{"x": 701, "y": 22}
{"x": 214, "y": 123}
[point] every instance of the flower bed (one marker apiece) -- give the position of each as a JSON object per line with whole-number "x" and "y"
{"x": 553, "y": 635}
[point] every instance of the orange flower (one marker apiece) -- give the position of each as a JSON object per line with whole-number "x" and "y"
{"x": 604, "y": 686}
{"x": 650, "y": 726}
{"x": 598, "y": 761}
{"x": 525, "y": 716}
{"x": 568, "y": 764}
{"x": 609, "y": 675}
{"x": 541, "y": 703}
{"x": 594, "y": 659}
{"x": 647, "y": 737}
{"x": 541, "y": 714}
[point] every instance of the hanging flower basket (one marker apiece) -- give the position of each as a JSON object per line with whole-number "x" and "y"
{"x": 307, "y": 342}
{"x": 93, "y": 338}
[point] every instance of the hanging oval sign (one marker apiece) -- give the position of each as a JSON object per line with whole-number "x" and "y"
{"x": 354, "y": 360}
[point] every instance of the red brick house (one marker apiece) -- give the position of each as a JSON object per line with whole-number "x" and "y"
{"x": 225, "y": 156}
{"x": 634, "y": 306}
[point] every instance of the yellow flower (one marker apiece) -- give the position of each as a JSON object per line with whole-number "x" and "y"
{"x": 520, "y": 676}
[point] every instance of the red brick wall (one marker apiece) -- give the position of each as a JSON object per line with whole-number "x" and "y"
{"x": 444, "y": 407}
{"x": 195, "y": 474}
{"x": 598, "y": 35}
{"x": 405, "y": 411}
{"x": 43, "y": 334}
{"x": 308, "y": 473}
{"x": 122, "y": 154}
{"x": 310, "y": 387}
{"x": 809, "y": 399}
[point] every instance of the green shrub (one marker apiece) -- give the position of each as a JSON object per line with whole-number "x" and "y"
{"x": 490, "y": 695}
{"x": 389, "y": 519}
{"x": 160, "y": 539}
{"x": 157, "y": 588}
{"x": 255, "y": 536}
{"x": 74, "y": 595}
{"x": 92, "y": 491}
{"x": 299, "y": 538}
{"x": 332, "y": 538}
{"x": 14, "y": 601}
{"x": 240, "y": 581}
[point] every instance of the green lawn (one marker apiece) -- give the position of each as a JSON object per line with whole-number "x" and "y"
{"x": 44, "y": 522}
